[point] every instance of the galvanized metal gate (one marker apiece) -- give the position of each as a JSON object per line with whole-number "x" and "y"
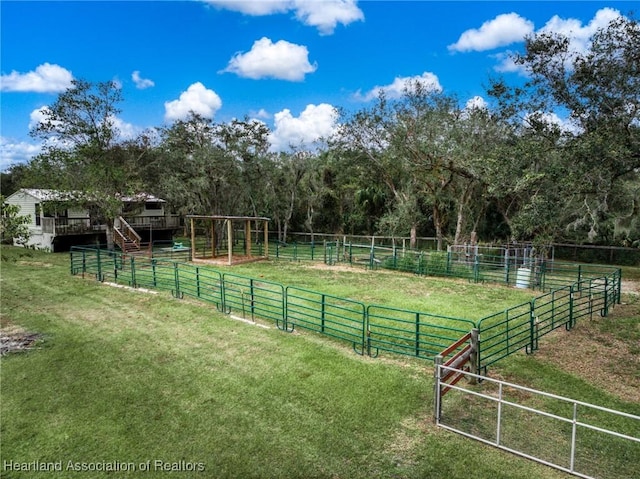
{"x": 578, "y": 435}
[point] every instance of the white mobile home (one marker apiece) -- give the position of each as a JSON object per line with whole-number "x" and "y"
{"x": 56, "y": 229}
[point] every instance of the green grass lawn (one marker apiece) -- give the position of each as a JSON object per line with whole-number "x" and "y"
{"x": 458, "y": 298}
{"x": 631, "y": 272}
{"x": 127, "y": 377}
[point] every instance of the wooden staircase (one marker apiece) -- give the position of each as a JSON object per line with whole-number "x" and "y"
{"x": 126, "y": 237}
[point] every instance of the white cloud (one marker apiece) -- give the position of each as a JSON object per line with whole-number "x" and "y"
{"x": 477, "y": 102}
{"x": 197, "y": 99}
{"x": 254, "y": 8}
{"x": 43, "y": 115}
{"x": 16, "y": 152}
{"x": 141, "y": 83}
{"x": 579, "y": 38}
{"x": 578, "y": 35}
{"x": 565, "y": 124}
{"x": 503, "y": 30}
{"x": 315, "y": 122}
{"x": 542, "y": 117}
{"x": 474, "y": 104}
{"x": 397, "y": 88}
{"x": 260, "y": 114}
{"x": 506, "y": 63}
{"x": 325, "y": 15}
{"x": 281, "y": 60}
{"x": 38, "y": 116}
{"x": 126, "y": 131}
{"x": 46, "y": 78}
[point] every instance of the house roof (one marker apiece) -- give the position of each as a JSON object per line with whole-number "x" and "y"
{"x": 43, "y": 194}
{"x": 139, "y": 197}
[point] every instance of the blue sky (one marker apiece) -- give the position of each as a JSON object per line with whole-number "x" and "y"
{"x": 288, "y": 63}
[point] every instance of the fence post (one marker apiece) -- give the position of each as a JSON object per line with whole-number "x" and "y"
{"x": 366, "y": 332}
{"x": 437, "y": 396}
{"x": 533, "y": 327}
{"x": 579, "y": 276}
{"x": 543, "y": 275}
{"x": 176, "y": 277}
{"x": 572, "y": 319}
{"x": 99, "y": 275}
{"x": 619, "y": 281}
{"x": 536, "y": 325}
{"x": 506, "y": 266}
{"x": 252, "y": 297}
{"x": 344, "y": 248}
{"x": 605, "y": 310}
{"x": 223, "y": 294}
{"x": 417, "y": 335}
{"x": 283, "y": 307}
{"x": 395, "y": 256}
{"x": 476, "y": 269}
{"x": 474, "y": 357}
{"x": 84, "y": 263}
{"x": 371, "y": 254}
{"x": 132, "y": 262}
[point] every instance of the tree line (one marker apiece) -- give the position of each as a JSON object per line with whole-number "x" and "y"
{"x": 419, "y": 165}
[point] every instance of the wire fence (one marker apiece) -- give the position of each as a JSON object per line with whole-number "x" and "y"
{"x": 369, "y": 329}
{"x": 512, "y": 267}
{"x": 582, "y": 439}
{"x": 288, "y": 307}
{"x": 579, "y": 438}
{"x": 617, "y": 255}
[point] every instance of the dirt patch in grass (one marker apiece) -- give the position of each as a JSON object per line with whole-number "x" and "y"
{"x": 592, "y": 351}
{"x": 631, "y": 287}
{"x": 15, "y": 339}
{"x": 339, "y": 267}
{"x": 37, "y": 264}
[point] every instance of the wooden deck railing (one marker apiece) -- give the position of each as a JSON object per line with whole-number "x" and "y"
{"x": 155, "y": 222}
{"x": 128, "y": 234}
{"x": 71, "y": 226}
